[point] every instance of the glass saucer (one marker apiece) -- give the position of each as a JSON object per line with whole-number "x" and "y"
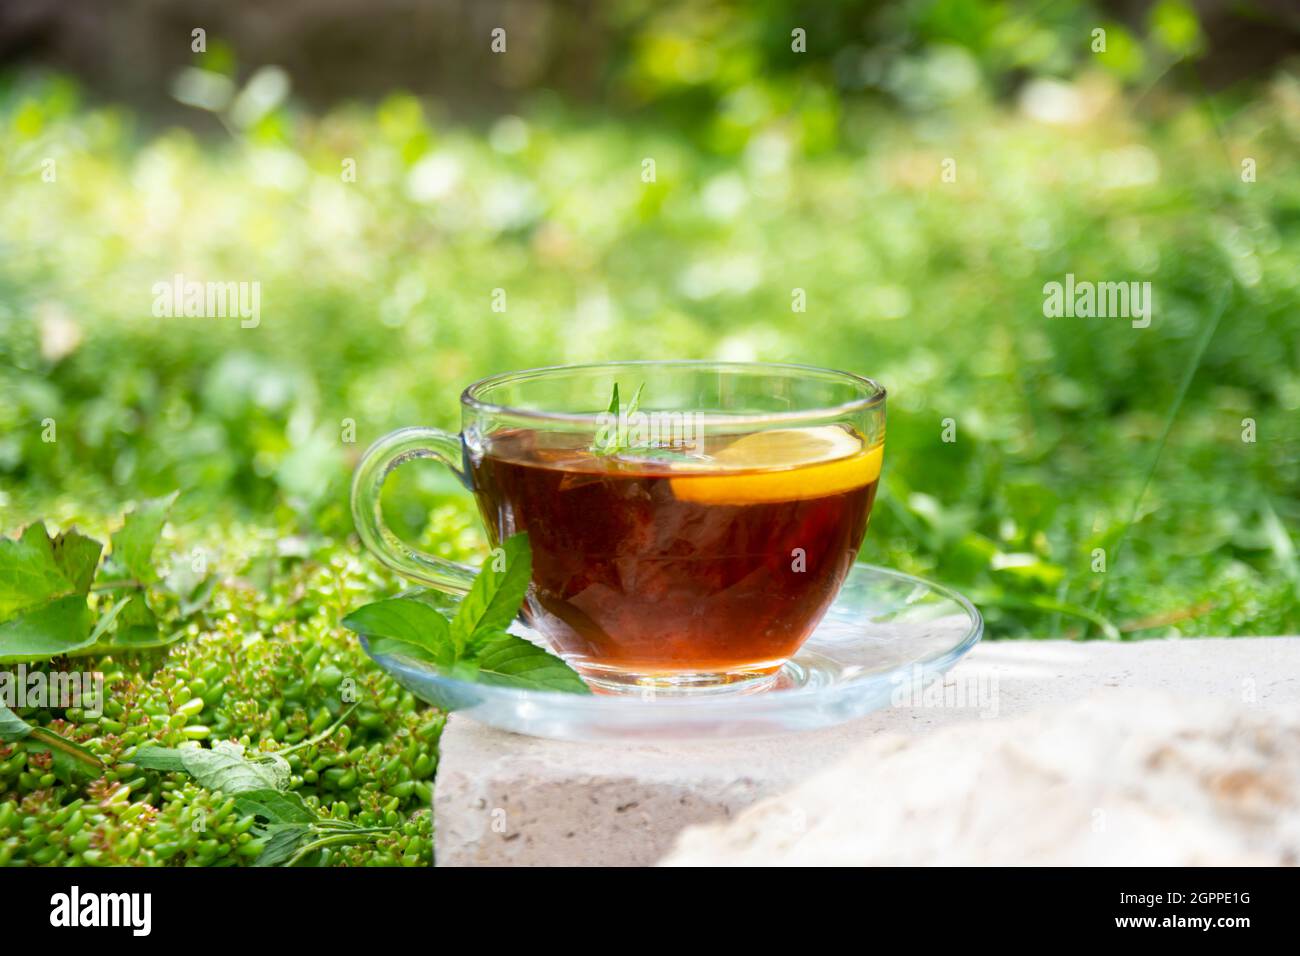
{"x": 885, "y": 631}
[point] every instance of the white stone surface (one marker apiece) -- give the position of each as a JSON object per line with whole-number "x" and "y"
{"x": 1123, "y": 778}
{"x": 505, "y": 799}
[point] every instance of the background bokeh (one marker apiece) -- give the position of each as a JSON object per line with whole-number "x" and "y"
{"x": 775, "y": 170}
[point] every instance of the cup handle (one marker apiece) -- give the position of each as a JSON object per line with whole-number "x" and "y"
{"x": 379, "y": 461}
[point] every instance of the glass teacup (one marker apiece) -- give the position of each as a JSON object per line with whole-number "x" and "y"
{"x": 687, "y": 536}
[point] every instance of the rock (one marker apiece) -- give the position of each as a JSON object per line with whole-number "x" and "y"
{"x": 1123, "y": 777}
{"x": 501, "y": 799}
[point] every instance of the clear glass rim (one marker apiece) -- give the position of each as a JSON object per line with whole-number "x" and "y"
{"x": 874, "y": 395}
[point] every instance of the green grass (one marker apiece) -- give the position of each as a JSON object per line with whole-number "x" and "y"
{"x": 1071, "y": 434}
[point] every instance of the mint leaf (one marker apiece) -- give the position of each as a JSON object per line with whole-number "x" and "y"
{"x": 44, "y": 583}
{"x": 475, "y": 646}
{"x": 405, "y": 626}
{"x": 633, "y": 405}
{"x": 606, "y": 441}
{"x": 134, "y": 542}
{"x": 510, "y": 661}
{"x": 292, "y": 843}
{"x": 612, "y": 438}
{"x": 130, "y": 625}
{"x": 496, "y": 596}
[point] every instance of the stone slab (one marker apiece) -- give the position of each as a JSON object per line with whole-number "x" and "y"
{"x": 1125, "y": 777}
{"x": 502, "y": 799}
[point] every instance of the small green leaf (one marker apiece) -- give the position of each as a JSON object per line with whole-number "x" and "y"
{"x": 29, "y": 574}
{"x": 606, "y": 441}
{"x": 134, "y": 542}
{"x": 192, "y": 588}
{"x": 215, "y": 769}
{"x": 162, "y": 759}
{"x": 283, "y": 842}
{"x": 107, "y": 618}
{"x": 496, "y": 596}
{"x": 68, "y": 756}
{"x": 612, "y": 438}
{"x": 222, "y": 770}
{"x": 59, "y": 627}
{"x": 464, "y": 670}
{"x": 77, "y": 557}
{"x": 200, "y": 597}
{"x": 405, "y": 626}
{"x": 394, "y": 645}
{"x": 12, "y": 727}
{"x": 275, "y": 806}
{"x": 510, "y": 661}
{"x": 129, "y": 625}
{"x": 137, "y": 624}
{"x": 633, "y": 405}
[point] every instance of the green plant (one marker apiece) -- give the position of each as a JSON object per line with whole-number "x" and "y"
{"x": 266, "y": 669}
{"x": 473, "y": 644}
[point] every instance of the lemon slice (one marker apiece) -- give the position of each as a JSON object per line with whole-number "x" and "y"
{"x": 795, "y": 463}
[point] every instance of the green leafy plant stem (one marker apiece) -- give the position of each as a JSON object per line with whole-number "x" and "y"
{"x": 323, "y": 735}
{"x": 339, "y": 839}
{"x": 52, "y": 740}
{"x": 16, "y": 730}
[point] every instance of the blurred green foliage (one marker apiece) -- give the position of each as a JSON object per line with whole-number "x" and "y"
{"x": 826, "y": 176}
{"x": 729, "y": 61}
